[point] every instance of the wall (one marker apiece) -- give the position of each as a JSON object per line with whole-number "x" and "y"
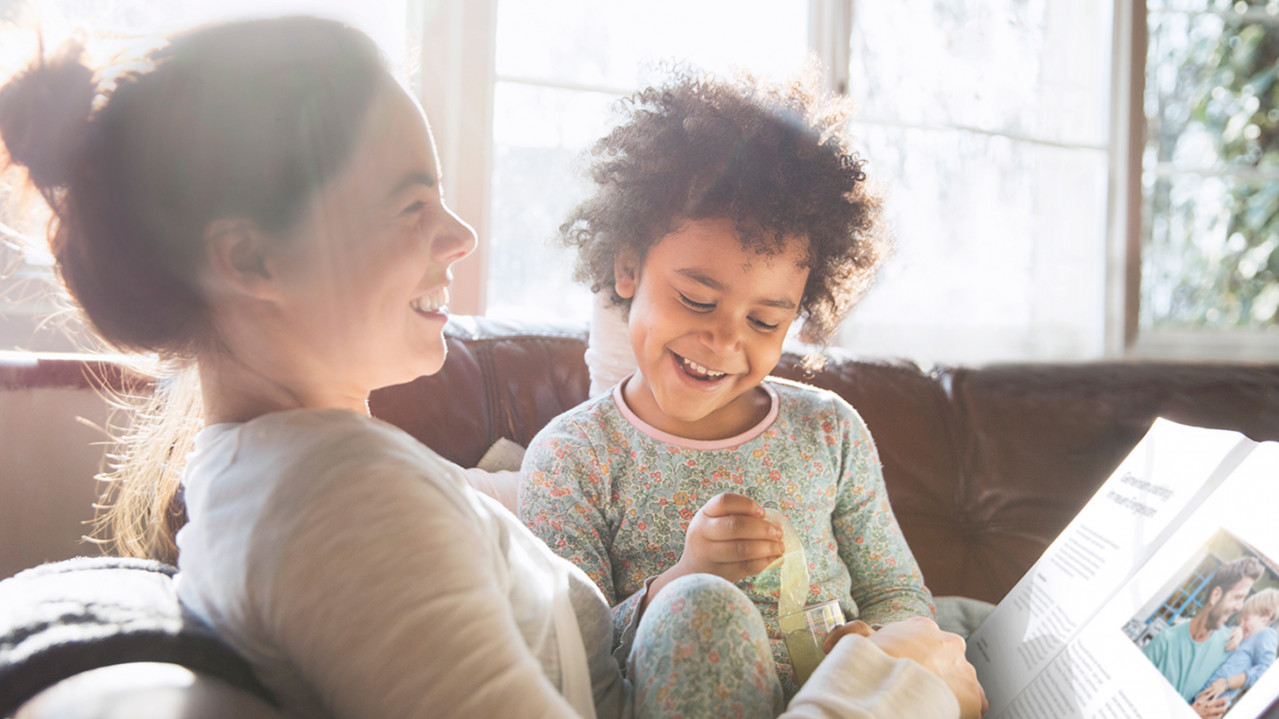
{"x": 49, "y": 458}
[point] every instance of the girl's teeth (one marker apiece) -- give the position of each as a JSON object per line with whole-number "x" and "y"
{"x": 711, "y": 374}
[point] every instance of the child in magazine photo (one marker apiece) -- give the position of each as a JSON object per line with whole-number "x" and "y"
{"x": 725, "y": 210}
{"x": 1209, "y": 636}
{"x": 1251, "y": 646}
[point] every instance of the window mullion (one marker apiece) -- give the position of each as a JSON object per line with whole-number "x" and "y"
{"x": 458, "y": 48}
{"x": 830, "y": 32}
{"x": 1127, "y": 139}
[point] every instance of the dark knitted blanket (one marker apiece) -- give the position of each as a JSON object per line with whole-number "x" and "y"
{"x": 62, "y": 618}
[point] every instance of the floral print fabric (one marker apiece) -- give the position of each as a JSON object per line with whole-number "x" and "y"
{"x": 603, "y": 493}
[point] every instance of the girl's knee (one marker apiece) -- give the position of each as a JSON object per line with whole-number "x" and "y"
{"x": 702, "y": 646}
{"x": 703, "y": 588}
{"x": 700, "y": 602}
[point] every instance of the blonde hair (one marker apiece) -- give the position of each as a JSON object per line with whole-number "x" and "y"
{"x": 1265, "y": 601}
{"x": 142, "y": 508}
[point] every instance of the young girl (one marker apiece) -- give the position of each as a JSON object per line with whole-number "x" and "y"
{"x": 724, "y": 211}
{"x": 261, "y": 202}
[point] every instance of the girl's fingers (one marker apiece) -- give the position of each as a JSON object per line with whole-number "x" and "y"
{"x": 745, "y": 550}
{"x": 856, "y": 626}
{"x": 740, "y": 527}
{"x": 730, "y": 503}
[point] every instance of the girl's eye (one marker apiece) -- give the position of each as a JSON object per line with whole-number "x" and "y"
{"x": 414, "y": 208}
{"x": 699, "y": 306}
{"x": 764, "y": 325}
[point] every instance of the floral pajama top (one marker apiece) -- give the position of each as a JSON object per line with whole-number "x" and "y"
{"x": 615, "y": 495}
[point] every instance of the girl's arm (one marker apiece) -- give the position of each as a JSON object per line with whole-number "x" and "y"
{"x": 391, "y": 600}
{"x": 887, "y": 583}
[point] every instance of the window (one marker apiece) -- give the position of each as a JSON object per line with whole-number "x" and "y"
{"x": 560, "y": 67}
{"x": 987, "y": 123}
{"x": 1210, "y": 179}
{"x": 31, "y": 313}
{"x": 990, "y": 130}
{"x": 1066, "y": 179}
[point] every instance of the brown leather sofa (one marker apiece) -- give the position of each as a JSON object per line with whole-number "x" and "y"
{"x": 984, "y": 466}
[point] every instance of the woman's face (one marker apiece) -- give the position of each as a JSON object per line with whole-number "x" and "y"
{"x": 365, "y": 273}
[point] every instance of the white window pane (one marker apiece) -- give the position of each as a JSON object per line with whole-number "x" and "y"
{"x": 1035, "y": 69}
{"x": 616, "y": 44}
{"x": 383, "y": 20}
{"x": 999, "y": 249}
{"x": 537, "y": 179}
{"x": 541, "y": 128}
{"x": 31, "y": 315}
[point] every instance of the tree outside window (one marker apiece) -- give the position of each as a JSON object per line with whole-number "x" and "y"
{"x": 1210, "y": 245}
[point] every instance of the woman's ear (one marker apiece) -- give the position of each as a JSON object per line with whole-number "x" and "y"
{"x": 237, "y": 256}
{"x": 626, "y": 272}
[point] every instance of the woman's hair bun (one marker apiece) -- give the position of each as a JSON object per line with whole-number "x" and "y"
{"x": 44, "y": 114}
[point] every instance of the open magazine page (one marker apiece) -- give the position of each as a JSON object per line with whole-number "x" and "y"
{"x": 1111, "y": 668}
{"x": 1164, "y": 478}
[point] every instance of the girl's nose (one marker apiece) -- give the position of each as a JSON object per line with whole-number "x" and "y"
{"x": 722, "y": 335}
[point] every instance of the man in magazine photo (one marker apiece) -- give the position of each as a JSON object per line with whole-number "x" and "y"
{"x": 1188, "y": 653}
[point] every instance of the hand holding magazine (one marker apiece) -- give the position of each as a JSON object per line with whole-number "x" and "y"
{"x": 1158, "y": 600}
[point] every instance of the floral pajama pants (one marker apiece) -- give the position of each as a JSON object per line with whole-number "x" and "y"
{"x": 701, "y": 650}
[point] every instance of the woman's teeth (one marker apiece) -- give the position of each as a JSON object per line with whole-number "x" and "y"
{"x": 432, "y": 302}
{"x": 699, "y": 370}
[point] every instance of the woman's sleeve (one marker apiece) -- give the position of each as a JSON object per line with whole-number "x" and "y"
{"x": 887, "y": 584}
{"x": 391, "y": 602}
{"x": 564, "y": 499}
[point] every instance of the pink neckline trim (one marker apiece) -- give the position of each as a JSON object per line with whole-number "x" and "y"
{"x": 727, "y": 443}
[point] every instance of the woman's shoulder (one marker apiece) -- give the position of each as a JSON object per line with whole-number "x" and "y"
{"x": 308, "y": 451}
{"x": 336, "y": 436}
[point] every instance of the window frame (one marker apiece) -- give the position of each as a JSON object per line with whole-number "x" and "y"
{"x": 456, "y": 83}
{"x": 471, "y": 32}
{"x": 1128, "y": 338}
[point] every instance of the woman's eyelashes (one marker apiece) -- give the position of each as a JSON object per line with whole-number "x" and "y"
{"x": 696, "y": 306}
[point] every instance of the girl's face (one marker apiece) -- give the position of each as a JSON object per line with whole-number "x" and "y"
{"x": 707, "y": 322}
{"x": 1253, "y": 622}
{"x": 366, "y": 270}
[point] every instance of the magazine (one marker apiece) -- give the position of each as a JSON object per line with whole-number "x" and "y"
{"x": 1079, "y": 635}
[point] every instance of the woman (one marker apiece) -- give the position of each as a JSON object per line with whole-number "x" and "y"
{"x": 261, "y": 203}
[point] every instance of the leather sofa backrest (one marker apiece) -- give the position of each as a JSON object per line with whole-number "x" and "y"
{"x": 984, "y": 466}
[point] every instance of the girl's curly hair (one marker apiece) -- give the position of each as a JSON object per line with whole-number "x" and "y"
{"x": 774, "y": 158}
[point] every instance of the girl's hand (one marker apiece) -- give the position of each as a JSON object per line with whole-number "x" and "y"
{"x": 730, "y": 538}
{"x": 856, "y": 626}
